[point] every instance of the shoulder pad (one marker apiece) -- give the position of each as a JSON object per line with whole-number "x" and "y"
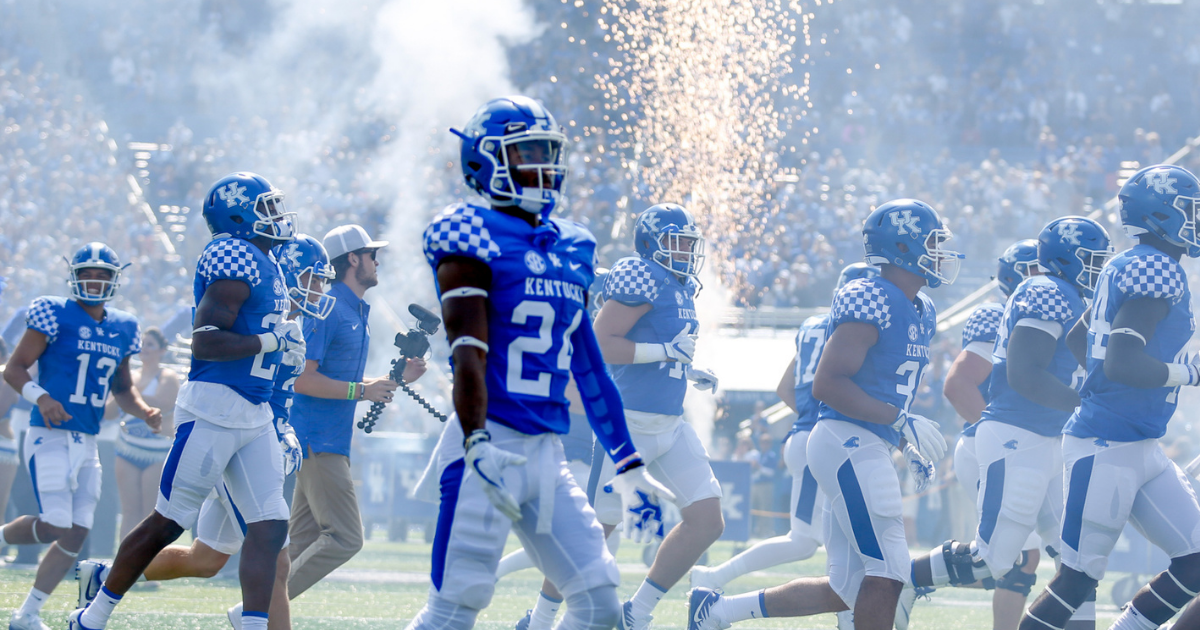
{"x": 229, "y": 259}
{"x": 42, "y": 315}
{"x": 862, "y": 300}
{"x": 1041, "y": 297}
{"x": 1153, "y": 276}
{"x": 632, "y": 281}
{"x": 983, "y": 324}
{"x": 460, "y": 230}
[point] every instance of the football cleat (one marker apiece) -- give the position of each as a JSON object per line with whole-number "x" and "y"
{"x": 90, "y": 575}
{"x": 845, "y": 620}
{"x": 28, "y": 621}
{"x": 701, "y": 613}
{"x": 629, "y": 622}
{"x": 705, "y": 577}
{"x": 523, "y": 624}
{"x": 235, "y": 616}
{"x": 74, "y": 623}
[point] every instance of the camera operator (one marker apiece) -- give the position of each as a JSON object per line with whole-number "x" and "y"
{"x": 325, "y": 528}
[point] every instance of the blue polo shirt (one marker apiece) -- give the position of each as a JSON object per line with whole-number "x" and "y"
{"x": 339, "y": 346}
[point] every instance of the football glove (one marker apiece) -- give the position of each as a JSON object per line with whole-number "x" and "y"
{"x": 488, "y": 463}
{"x": 702, "y": 379}
{"x": 923, "y": 434}
{"x": 641, "y": 503}
{"x": 293, "y": 454}
{"x": 682, "y": 347}
{"x": 923, "y": 470}
{"x": 286, "y": 335}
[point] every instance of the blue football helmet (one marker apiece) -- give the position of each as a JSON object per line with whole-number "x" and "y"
{"x": 854, "y": 271}
{"x": 94, "y": 255}
{"x": 307, "y": 274}
{"x": 1074, "y": 249}
{"x": 244, "y": 205}
{"x": 514, "y": 135}
{"x": 667, "y": 234}
{"x": 909, "y": 234}
{"x": 1162, "y": 200}
{"x": 1015, "y": 264}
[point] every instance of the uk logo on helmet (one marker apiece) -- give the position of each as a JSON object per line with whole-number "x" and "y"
{"x": 1161, "y": 182}
{"x": 1069, "y": 233}
{"x": 232, "y": 194}
{"x": 905, "y": 222}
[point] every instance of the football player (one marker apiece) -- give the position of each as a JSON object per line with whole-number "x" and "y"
{"x": 647, "y": 331}
{"x": 219, "y": 530}
{"x": 795, "y": 390}
{"x": 1018, "y": 441}
{"x": 512, "y": 278}
{"x": 878, "y": 347}
{"x": 82, "y": 349}
{"x": 225, "y": 435}
{"x": 1115, "y": 471}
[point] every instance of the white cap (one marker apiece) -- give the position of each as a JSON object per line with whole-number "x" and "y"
{"x": 348, "y": 238}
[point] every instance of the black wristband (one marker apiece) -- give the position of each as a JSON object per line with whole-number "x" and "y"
{"x": 476, "y": 436}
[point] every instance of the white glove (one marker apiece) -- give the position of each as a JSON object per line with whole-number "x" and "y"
{"x": 702, "y": 379}
{"x": 923, "y": 434}
{"x": 682, "y": 347}
{"x": 489, "y": 463}
{"x": 641, "y": 503}
{"x": 1193, "y": 468}
{"x": 293, "y": 454}
{"x": 923, "y": 470}
{"x": 285, "y": 336}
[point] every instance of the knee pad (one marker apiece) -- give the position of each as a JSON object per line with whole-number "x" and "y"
{"x": 1024, "y": 492}
{"x": 439, "y": 614}
{"x": 960, "y": 564}
{"x": 594, "y": 609}
{"x": 1017, "y": 581}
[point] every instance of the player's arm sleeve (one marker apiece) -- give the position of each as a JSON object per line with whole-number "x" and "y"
{"x": 860, "y": 302}
{"x": 631, "y": 282}
{"x": 1045, "y": 308}
{"x": 459, "y": 230}
{"x": 981, "y": 329}
{"x": 135, "y": 344}
{"x": 42, "y": 316}
{"x": 229, "y": 259}
{"x": 1149, "y": 287}
{"x": 981, "y": 349}
{"x": 601, "y": 398}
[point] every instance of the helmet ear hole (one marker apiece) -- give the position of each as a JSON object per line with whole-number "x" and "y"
{"x": 236, "y": 219}
{"x": 474, "y": 166}
{"x": 903, "y": 247}
{"x": 1160, "y": 216}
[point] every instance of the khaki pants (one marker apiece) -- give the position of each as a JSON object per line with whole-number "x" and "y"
{"x": 325, "y": 528}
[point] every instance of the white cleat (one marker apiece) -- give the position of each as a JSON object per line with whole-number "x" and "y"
{"x": 73, "y": 622}
{"x": 30, "y": 621}
{"x": 702, "y": 610}
{"x": 845, "y": 620}
{"x": 629, "y": 622}
{"x": 704, "y": 577}
{"x": 90, "y": 575}
{"x": 235, "y": 616}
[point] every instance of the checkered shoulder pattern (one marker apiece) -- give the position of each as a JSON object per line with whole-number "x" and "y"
{"x": 459, "y": 230}
{"x": 229, "y": 259}
{"x": 135, "y": 344}
{"x": 1154, "y": 276}
{"x": 631, "y": 280}
{"x": 983, "y": 324}
{"x": 42, "y": 316}
{"x": 1043, "y": 301}
{"x": 861, "y": 301}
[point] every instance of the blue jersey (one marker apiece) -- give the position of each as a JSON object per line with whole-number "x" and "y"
{"x": 810, "y": 340}
{"x": 236, "y": 259}
{"x": 81, "y": 356}
{"x": 982, "y": 327}
{"x": 653, "y": 387}
{"x": 1112, "y": 410}
{"x": 1047, "y": 299}
{"x": 537, "y": 301}
{"x": 893, "y": 366}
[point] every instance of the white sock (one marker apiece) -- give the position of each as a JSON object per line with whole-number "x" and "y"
{"x": 735, "y": 608}
{"x": 3, "y": 541}
{"x": 515, "y": 561}
{"x": 544, "y": 612}
{"x": 97, "y": 613}
{"x": 33, "y": 603}
{"x": 764, "y": 555}
{"x": 254, "y": 620}
{"x": 646, "y": 598}
{"x": 1131, "y": 619}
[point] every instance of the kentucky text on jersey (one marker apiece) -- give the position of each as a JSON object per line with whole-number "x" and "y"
{"x": 546, "y": 287}
{"x": 96, "y": 346}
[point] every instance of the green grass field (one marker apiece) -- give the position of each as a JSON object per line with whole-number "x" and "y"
{"x": 387, "y": 583}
